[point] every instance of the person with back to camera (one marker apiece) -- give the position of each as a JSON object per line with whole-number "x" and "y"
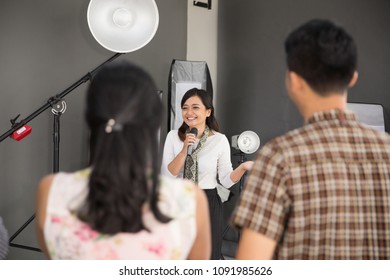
{"x": 120, "y": 207}
{"x": 3, "y": 240}
{"x": 321, "y": 191}
{"x": 202, "y": 157}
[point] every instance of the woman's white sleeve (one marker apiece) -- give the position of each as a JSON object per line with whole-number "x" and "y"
{"x": 225, "y": 164}
{"x": 168, "y": 154}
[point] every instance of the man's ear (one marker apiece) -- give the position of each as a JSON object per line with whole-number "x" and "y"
{"x": 353, "y": 80}
{"x": 296, "y": 81}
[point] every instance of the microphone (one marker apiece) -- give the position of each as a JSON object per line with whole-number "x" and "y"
{"x": 194, "y": 131}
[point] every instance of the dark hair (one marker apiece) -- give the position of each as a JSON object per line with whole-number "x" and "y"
{"x": 323, "y": 54}
{"x": 125, "y": 165}
{"x": 207, "y": 101}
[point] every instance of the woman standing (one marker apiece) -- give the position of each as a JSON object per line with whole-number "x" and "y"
{"x": 208, "y": 159}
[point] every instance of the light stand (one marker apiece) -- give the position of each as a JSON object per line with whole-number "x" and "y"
{"x": 57, "y": 111}
{"x": 246, "y": 143}
{"x": 242, "y": 179}
{"x": 231, "y": 236}
{"x": 58, "y": 108}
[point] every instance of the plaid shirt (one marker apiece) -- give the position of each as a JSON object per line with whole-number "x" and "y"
{"x": 322, "y": 191}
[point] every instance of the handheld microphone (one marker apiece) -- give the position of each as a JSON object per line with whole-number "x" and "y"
{"x": 194, "y": 131}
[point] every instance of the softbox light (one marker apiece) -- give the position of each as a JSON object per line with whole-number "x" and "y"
{"x": 372, "y": 115}
{"x": 247, "y": 142}
{"x": 123, "y": 25}
{"x": 185, "y": 75}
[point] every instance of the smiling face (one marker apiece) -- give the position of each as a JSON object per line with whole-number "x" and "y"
{"x": 194, "y": 112}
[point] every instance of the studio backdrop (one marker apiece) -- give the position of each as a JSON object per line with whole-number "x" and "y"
{"x": 373, "y": 115}
{"x": 185, "y": 75}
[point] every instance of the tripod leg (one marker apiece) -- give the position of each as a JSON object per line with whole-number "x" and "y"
{"x": 18, "y": 232}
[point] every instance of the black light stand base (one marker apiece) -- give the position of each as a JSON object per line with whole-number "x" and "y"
{"x": 231, "y": 236}
{"x": 11, "y": 244}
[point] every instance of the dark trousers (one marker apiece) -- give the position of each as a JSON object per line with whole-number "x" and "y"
{"x": 215, "y": 210}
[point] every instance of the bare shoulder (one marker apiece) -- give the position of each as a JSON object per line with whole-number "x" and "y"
{"x": 44, "y": 188}
{"x": 40, "y": 209}
{"x": 45, "y": 183}
{"x": 42, "y": 195}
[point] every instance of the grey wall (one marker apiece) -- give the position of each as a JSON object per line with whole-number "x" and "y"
{"x": 251, "y": 61}
{"x": 46, "y": 46}
{"x": 251, "y": 58}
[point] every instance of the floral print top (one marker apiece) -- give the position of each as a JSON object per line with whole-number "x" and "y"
{"x": 67, "y": 237}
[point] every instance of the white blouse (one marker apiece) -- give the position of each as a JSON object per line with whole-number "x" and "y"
{"x": 213, "y": 160}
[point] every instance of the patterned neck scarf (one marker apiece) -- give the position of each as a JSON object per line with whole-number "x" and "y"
{"x": 191, "y": 163}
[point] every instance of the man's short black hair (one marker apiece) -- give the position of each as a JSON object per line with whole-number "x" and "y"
{"x": 323, "y": 54}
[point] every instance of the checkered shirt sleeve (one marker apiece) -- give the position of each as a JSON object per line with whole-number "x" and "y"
{"x": 264, "y": 203}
